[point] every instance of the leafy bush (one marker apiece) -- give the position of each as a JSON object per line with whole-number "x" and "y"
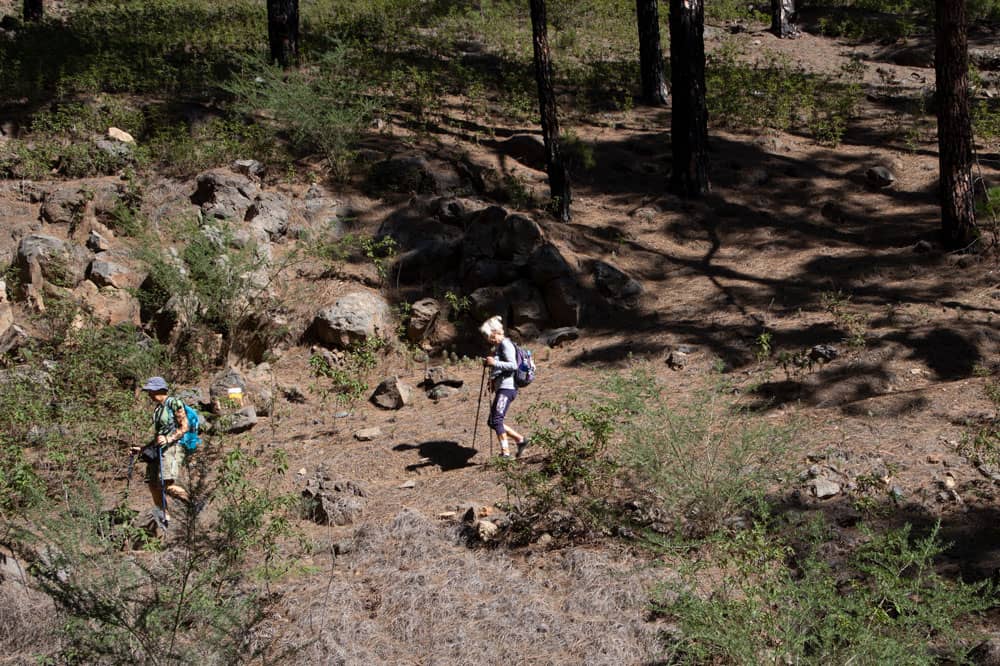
{"x": 198, "y": 602}
{"x": 772, "y": 92}
{"x": 706, "y": 461}
{"x": 777, "y": 603}
{"x": 323, "y": 107}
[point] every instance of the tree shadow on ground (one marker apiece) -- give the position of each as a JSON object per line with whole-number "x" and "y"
{"x": 446, "y": 455}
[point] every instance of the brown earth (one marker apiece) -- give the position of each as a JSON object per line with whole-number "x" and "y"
{"x": 788, "y": 221}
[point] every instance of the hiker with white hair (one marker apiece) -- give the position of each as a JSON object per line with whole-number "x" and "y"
{"x": 502, "y": 364}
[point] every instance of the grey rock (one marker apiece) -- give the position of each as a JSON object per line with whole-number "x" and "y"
{"x": 416, "y": 174}
{"x": 368, "y": 434}
{"x": 97, "y": 243}
{"x": 241, "y": 421}
{"x": 614, "y": 282}
{"x": 528, "y": 149}
{"x": 268, "y": 216}
{"x": 109, "y": 305}
{"x": 441, "y": 392}
{"x": 557, "y": 336}
{"x": 438, "y": 375}
{"x": 62, "y": 263}
{"x": 333, "y": 503}
{"x": 105, "y": 272}
{"x": 549, "y": 263}
{"x": 824, "y": 488}
{"x": 343, "y": 547}
{"x": 520, "y": 237}
{"x": 880, "y": 177}
{"x": 564, "y": 301}
{"x": 392, "y": 393}
{"x": 987, "y": 653}
{"x": 923, "y": 247}
{"x": 486, "y": 302}
{"x": 115, "y": 149}
{"x": 223, "y": 194}
{"x": 249, "y": 168}
{"x": 423, "y": 315}
{"x": 221, "y": 391}
{"x": 13, "y": 339}
{"x": 354, "y": 318}
{"x": 486, "y": 530}
{"x": 677, "y": 360}
{"x": 527, "y": 304}
{"x": 293, "y": 394}
{"x": 482, "y": 233}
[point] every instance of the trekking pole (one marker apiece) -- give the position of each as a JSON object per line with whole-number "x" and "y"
{"x": 475, "y": 428}
{"x": 163, "y": 488}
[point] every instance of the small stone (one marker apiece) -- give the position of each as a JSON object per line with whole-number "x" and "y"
{"x": 341, "y": 415}
{"x": 302, "y": 471}
{"x": 343, "y": 547}
{"x": 879, "y": 176}
{"x": 557, "y": 336}
{"x": 448, "y": 514}
{"x": 677, "y": 360}
{"x": 922, "y": 247}
{"x": 441, "y": 392}
{"x": 406, "y": 485}
{"x": 824, "y": 488}
{"x": 933, "y": 458}
{"x": 368, "y": 434}
{"x": 949, "y": 482}
{"x": 486, "y": 530}
{"x": 545, "y": 539}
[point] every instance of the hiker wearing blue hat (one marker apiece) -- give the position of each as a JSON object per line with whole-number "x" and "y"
{"x": 164, "y": 456}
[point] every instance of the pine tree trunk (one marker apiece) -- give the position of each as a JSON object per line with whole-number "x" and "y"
{"x": 33, "y": 10}
{"x": 654, "y": 87}
{"x": 782, "y": 17}
{"x": 283, "y": 31}
{"x": 558, "y": 174}
{"x": 689, "y": 115}
{"x": 951, "y": 64}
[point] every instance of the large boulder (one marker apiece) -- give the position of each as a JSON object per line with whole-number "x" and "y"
{"x": 564, "y": 301}
{"x": 354, "y": 318}
{"x": 483, "y": 233}
{"x": 527, "y": 304}
{"x": 528, "y": 149}
{"x": 423, "y": 316}
{"x": 412, "y": 173}
{"x": 549, "y": 263}
{"x": 615, "y": 283}
{"x": 268, "y": 216}
{"x": 487, "y": 302}
{"x": 223, "y": 194}
{"x": 392, "y": 393}
{"x": 65, "y": 203}
{"x": 425, "y": 245}
{"x": 108, "y": 305}
{"x": 333, "y": 502}
{"x": 520, "y": 236}
{"x": 62, "y": 263}
{"x": 110, "y": 270}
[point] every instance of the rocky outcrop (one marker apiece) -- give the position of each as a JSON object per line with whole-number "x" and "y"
{"x": 353, "y": 319}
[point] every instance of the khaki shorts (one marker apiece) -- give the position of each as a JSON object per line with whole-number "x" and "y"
{"x": 172, "y": 458}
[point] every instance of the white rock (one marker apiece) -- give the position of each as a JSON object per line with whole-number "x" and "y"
{"x": 120, "y": 135}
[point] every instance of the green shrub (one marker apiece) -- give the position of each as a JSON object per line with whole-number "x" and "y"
{"x": 883, "y": 602}
{"x": 322, "y": 108}
{"x": 772, "y": 92}
{"x": 706, "y": 461}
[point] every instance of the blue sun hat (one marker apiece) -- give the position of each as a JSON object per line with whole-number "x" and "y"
{"x": 155, "y": 384}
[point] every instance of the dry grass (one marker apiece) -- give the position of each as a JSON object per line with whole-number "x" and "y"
{"x": 413, "y": 593}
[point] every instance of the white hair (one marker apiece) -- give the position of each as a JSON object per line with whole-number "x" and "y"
{"x": 491, "y": 326}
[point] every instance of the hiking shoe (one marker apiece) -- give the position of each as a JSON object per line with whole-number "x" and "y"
{"x": 522, "y": 445}
{"x": 506, "y": 456}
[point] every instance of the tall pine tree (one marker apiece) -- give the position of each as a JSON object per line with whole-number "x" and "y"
{"x": 283, "y": 31}
{"x": 689, "y": 114}
{"x": 951, "y": 65}
{"x": 558, "y": 173}
{"x": 654, "y": 87}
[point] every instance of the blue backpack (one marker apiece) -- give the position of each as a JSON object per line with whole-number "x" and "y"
{"x": 525, "y": 373}
{"x": 191, "y": 440}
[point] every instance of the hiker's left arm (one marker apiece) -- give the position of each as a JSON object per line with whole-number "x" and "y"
{"x": 502, "y": 365}
{"x": 180, "y": 417}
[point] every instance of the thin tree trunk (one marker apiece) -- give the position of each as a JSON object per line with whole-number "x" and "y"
{"x": 951, "y": 65}
{"x": 782, "y": 19}
{"x": 689, "y": 115}
{"x": 654, "y": 87}
{"x": 33, "y": 10}
{"x": 283, "y": 31}
{"x": 558, "y": 174}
